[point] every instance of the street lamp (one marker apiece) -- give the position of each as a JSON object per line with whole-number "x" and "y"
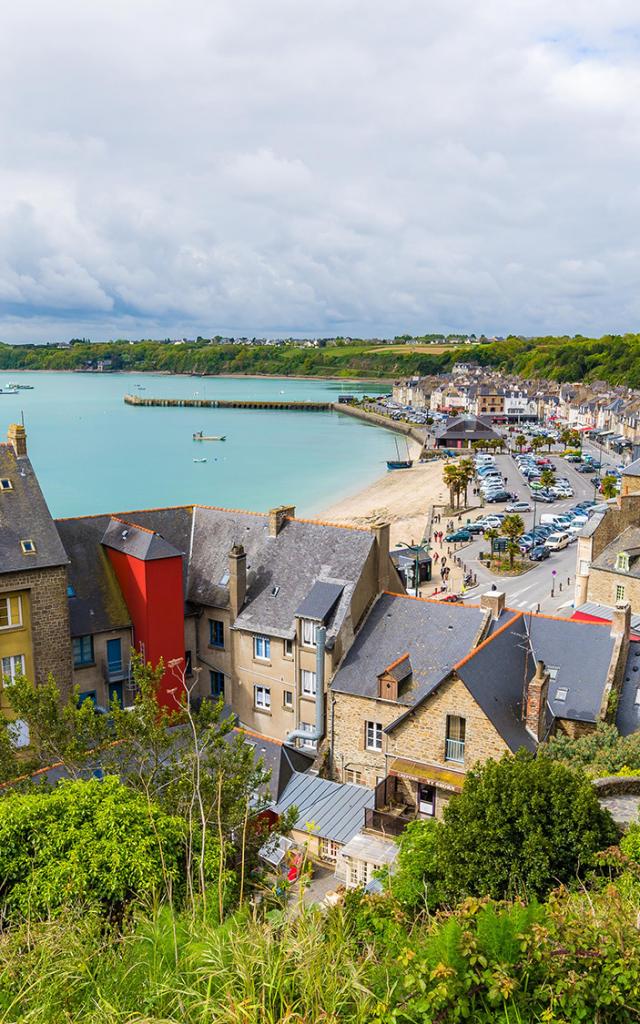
{"x": 416, "y": 549}
{"x": 553, "y": 581}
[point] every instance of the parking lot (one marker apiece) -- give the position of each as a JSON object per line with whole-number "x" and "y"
{"x": 556, "y": 574}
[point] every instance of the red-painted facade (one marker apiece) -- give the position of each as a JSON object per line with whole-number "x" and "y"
{"x": 153, "y": 594}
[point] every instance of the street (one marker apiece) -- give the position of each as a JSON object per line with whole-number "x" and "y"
{"x": 533, "y": 589}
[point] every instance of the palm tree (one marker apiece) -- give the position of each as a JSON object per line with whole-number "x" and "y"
{"x": 512, "y": 528}
{"x": 466, "y": 473}
{"x": 537, "y": 443}
{"x": 491, "y": 535}
{"x": 609, "y": 486}
{"x": 547, "y": 478}
{"x": 451, "y": 479}
{"x": 521, "y": 441}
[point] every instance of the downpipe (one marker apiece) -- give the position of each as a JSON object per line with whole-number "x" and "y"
{"x": 318, "y": 733}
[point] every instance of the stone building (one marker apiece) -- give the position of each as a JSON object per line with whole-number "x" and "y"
{"x": 34, "y": 616}
{"x": 428, "y": 690}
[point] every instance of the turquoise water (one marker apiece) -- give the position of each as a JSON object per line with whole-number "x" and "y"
{"x": 94, "y": 454}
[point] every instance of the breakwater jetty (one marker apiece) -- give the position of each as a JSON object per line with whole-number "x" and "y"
{"x": 226, "y": 403}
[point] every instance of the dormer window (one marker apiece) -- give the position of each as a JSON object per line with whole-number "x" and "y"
{"x": 5, "y": 484}
{"x": 28, "y": 547}
{"x": 309, "y": 628}
{"x": 622, "y": 561}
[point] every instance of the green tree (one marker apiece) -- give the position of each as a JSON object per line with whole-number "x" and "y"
{"x": 85, "y": 843}
{"x": 537, "y": 443}
{"x": 599, "y": 753}
{"x": 466, "y": 473}
{"x": 415, "y": 879}
{"x": 609, "y": 486}
{"x": 547, "y": 477}
{"x": 512, "y": 528}
{"x": 491, "y": 535}
{"x": 520, "y": 440}
{"x": 452, "y": 480}
{"x": 520, "y": 825}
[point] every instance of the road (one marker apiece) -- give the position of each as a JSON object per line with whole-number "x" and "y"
{"x": 537, "y": 589}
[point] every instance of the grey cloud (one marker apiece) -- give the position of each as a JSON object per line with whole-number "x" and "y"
{"x": 374, "y": 168}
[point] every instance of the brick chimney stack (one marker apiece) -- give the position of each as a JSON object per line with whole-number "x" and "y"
{"x": 237, "y": 580}
{"x": 536, "y": 710}
{"x": 494, "y": 601}
{"x": 278, "y": 517}
{"x": 621, "y": 620}
{"x": 17, "y": 438}
{"x": 381, "y": 533}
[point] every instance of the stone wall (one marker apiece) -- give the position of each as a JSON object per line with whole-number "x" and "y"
{"x": 50, "y": 631}
{"x": 603, "y": 584}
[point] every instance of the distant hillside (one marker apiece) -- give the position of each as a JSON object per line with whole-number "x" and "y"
{"x": 613, "y": 358}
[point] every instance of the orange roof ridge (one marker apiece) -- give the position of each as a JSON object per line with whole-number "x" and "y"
{"x": 486, "y": 642}
{"x": 395, "y": 663}
{"x": 323, "y": 522}
{"x": 258, "y": 735}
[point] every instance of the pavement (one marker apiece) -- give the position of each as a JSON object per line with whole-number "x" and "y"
{"x": 538, "y": 589}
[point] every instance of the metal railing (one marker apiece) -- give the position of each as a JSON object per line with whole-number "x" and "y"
{"x": 388, "y": 824}
{"x": 454, "y": 751}
{"x": 116, "y": 672}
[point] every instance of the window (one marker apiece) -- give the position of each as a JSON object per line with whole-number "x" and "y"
{"x": 188, "y": 664}
{"x": 619, "y": 593}
{"x": 329, "y": 850}
{"x": 360, "y": 872}
{"x": 309, "y": 632}
{"x": 216, "y": 683}
{"x": 561, "y": 693}
{"x": 5, "y": 484}
{"x": 287, "y": 698}
{"x": 373, "y": 732}
{"x": 637, "y": 700}
{"x": 19, "y": 733}
{"x": 622, "y": 561}
{"x": 89, "y": 695}
{"x": 553, "y": 672}
{"x": 70, "y": 591}
{"x": 308, "y": 727}
{"x": 308, "y": 682}
{"x": 262, "y": 697}
{"x": 353, "y": 776}
{"x": 82, "y": 650}
{"x": 10, "y": 611}
{"x": 454, "y": 747}
{"x": 262, "y": 648}
{"x": 288, "y": 648}
{"x": 216, "y": 633}
{"x": 426, "y": 799}
{"x": 28, "y": 547}
{"x": 12, "y": 666}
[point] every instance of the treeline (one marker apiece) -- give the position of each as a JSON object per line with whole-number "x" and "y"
{"x": 614, "y": 358}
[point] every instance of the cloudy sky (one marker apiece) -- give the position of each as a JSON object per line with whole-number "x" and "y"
{"x": 175, "y": 167}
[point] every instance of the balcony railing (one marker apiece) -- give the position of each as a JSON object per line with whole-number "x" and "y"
{"x": 383, "y": 821}
{"x": 454, "y": 751}
{"x": 116, "y": 671}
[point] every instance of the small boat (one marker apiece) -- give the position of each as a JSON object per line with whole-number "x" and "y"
{"x": 19, "y": 387}
{"x": 400, "y": 463}
{"x": 199, "y": 460}
{"x": 199, "y": 436}
{"x": 7, "y": 391}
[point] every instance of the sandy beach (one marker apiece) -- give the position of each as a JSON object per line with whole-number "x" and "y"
{"x": 401, "y": 497}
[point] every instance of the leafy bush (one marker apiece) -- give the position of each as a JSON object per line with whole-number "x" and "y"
{"x": 600, "y": 753}
{"x": 96, "y": 843}
{"x": 415, "y": 881}
{"x": 520, "y": 825}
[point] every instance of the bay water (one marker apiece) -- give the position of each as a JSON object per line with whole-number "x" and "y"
{"x": 94, "y": 454}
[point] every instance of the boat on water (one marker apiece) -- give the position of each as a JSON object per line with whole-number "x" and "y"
{"x": 399, "y": 463}
{"x": 199, "y": 436}
{"x": 199, "y": 460}
{"x": 8, "y": 391}
{"x": 19, "y": 387}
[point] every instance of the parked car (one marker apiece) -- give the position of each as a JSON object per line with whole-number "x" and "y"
{"x": 498, "y": 496}
{"x": 518, "y": 506}
{"x": 539, "y": 553}
{"x": 586, "y": 467}
{"x": 457, "y": 537}
{"x": 474, "y": 528}
{"x": 557, "y": 541}
{"x": 544, "y": 496}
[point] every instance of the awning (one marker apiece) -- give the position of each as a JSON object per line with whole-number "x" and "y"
{"x": 443, "y": 777}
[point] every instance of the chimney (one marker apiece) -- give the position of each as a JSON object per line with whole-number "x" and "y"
{"x": 17, "y": 437}
{"x": 493, "y": 600}
{"x": 381, "y": 534}
{"x": 237, "y": 579}
{"x": 621, "y": 621}
{"x": 277, "y": 517}
{"x": 537, "y": 695}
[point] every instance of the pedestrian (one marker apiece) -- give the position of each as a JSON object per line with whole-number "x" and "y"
{"x": 435, "y": 557}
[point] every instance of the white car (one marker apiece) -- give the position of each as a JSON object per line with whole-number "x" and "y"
{"x": 557, "y": 541}
{"x": 518, "y": 506}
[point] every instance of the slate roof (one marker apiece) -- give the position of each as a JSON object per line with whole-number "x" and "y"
{"x": 137, "y": 541}
{"x": 283, "y": 762}
{"x": 434, "y": 634}
{"x": 24, "y": 515}
{"x": 336, "y": 810}
{"x": 581, "y": 652}
{"x": 628, "y": 713}
{"x": 603, "y": 611}
{"x": 628, "y": 540}
{"x": 320, "y": 601}
{"x": 469, "y": 427}
{"x": 633, "y": 469}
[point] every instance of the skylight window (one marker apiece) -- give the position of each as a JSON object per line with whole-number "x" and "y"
{"x": 553, "y": 673}
{"x": 28, "y": 547}
{"x": 561, "y": 693}
{"x": 5, "y": 484}
{"x": 275, "y": 591}
{"x": 637, "y": 700}
{"x": 224, "y": 579}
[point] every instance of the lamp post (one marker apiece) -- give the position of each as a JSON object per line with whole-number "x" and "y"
{"x": 416, "y": 549}
{"x": 553, "y": 582}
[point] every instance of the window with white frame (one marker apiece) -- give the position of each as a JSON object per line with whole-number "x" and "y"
{"x": 12, "y": 667}
{"x": 619, "y": 593}
{"x": 308, "y": 682}
{"x": 262, "y": 697}
{"x": 308, "y": 727}
{"x": 261, "y": 648}
{"x": 329, "y": 849}
{"x": 373, "y": 737}
{"x": 5, "y": 484}
{"x": 353, "y": 776}
{"x": 309, "y": 628}
{"x": 288, "y": 648}
{"x": 10, "y": 611}
{"x": 622, "y": 561}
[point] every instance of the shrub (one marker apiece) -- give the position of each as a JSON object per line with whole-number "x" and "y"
{"x": 415, "y": 881}
{"x": 96, "y": 843}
